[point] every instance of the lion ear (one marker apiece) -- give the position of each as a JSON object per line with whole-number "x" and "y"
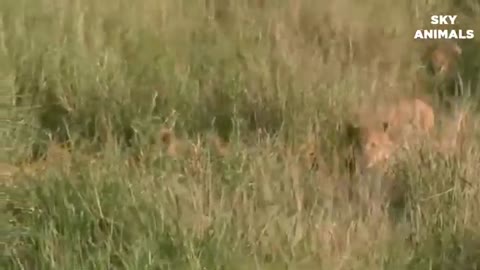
{"x": 352, "y": 131}
{"x": 385, "y": 126}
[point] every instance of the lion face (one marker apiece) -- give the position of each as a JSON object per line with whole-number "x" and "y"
{"x": 444, "y": 57}
{"x": 371, "y": 145}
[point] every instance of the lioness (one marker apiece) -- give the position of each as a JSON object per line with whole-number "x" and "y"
{"x": 405, "y": 121}
{"x": 370, "y": 144}
{"x": 409, "y": 118}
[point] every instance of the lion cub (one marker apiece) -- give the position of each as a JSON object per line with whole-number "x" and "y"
{"x": 170, "y": 144}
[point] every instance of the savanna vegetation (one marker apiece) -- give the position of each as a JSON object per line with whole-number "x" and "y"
{"x": 98, "y": 99}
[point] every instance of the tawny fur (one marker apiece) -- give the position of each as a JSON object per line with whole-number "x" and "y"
{"x": 371, "y": 143}
{"x": 443, "y": 58}
{"x": 410, "y": 118}
{"x": 57, "y": 156}
{"x": 7, "y": 171}
{"x": 172, "y": 145}
{"x": 406, "y": 121}
{"x": 175, "y": 147}
{"x": 219, "y": 145}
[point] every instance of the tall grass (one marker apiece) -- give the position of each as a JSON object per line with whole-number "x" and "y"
{"x": 109, "y": 74}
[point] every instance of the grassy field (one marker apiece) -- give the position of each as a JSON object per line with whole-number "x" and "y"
{"x": 267, "y": 76}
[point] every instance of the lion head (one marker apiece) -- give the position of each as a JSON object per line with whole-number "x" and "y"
{"x": 370, "y": 144}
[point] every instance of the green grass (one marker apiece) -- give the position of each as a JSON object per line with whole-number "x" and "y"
{"x": 109, "y": 74}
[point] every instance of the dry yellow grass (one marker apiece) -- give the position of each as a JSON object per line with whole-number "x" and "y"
{"x": 311, "y": 154}
{"x": 168, "y": 143}
{"x": 454, "y": 134}
{"x": 56, "y": 156}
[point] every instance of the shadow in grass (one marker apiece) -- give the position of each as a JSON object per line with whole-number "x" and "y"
{"x": 428, "y": 194}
